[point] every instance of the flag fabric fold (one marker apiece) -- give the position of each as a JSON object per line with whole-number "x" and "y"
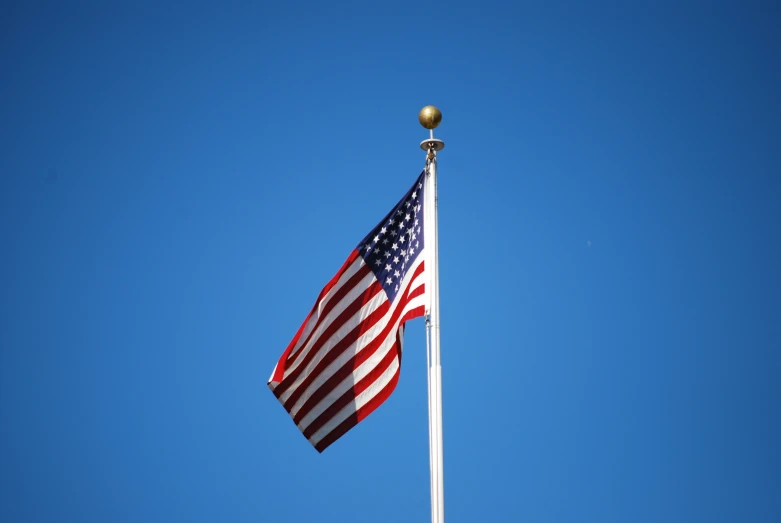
{"x": 344, "y": 361}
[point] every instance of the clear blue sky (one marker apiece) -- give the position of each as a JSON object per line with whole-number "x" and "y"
{"x": 178, "y": 183}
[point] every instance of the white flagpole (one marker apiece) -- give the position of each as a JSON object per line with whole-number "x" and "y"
{"x": 430, "y": 117}
{"x": 431, "y": 462}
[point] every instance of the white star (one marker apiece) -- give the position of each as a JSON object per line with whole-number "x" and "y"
{"x": 406, "y": 258}
{"x": 401, "y": 239}
{"x": 397, "y": 288}
{"x": 418, "y": 230}
{"x": 413, "y": 236}
{"x": 393, "y": 233}
{"x": 416, "y": 222}
{"x": 396, "y": 273}
{"x": 386, "y": 254}
{"x": 376, "y": 239}
{"x": 383, "y": 230}
{"x": 385, "y": 241}
{"x": 388, "y": 267}
{"x": 420, "y": 186}
{"x": 377, "y": 262}
{"x": 418, "y": 209}
{"x": 414, "y": 195}
{"x": 407, "y": 217}
{"x": 388, "y": 281}
{"x": 403, "y": 253}
{"x": 391, "y": 222}
{"x": 395, "y": 259}
{"x": 417, "y": 244}
{"x": 395, "y": 246}
{"x": 411, "y": 251}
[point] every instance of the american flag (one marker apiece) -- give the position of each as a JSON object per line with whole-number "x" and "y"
{"x": 344, "y": 360}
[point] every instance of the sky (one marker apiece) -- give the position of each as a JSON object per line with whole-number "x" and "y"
{"x": 178, "y": 183}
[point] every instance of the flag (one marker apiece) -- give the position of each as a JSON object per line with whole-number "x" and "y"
{"x": 344, "y": 360}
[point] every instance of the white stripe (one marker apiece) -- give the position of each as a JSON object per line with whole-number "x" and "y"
{"x": 273, "y": 384}
{"x": 353, "y": 268}
{"x": 362, "y": 399}
{"x": 364, "y": 340}
{"x": 356, "y": 376}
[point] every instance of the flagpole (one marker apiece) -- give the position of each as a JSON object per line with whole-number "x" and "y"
{"x": 430, "y": 117}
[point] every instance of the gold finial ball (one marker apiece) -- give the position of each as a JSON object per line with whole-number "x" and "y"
{"x": 430, "y": 117}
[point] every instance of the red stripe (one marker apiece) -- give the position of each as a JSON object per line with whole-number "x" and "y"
{"x": 417, "y": 312}
{"x": 279, "y": 370}
{"x": 354, "y": 362}
{"x": 343, "y": 318}
{"x": 348, "y": 286}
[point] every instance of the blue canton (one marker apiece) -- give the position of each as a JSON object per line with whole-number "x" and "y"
{"x": 392, "y": 247}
